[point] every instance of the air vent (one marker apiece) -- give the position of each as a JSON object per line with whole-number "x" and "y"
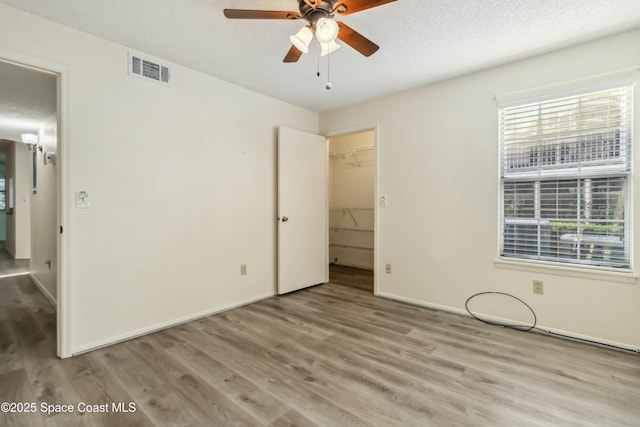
{"x": 148, "y": 68}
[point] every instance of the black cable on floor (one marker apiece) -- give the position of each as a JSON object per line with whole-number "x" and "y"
{"x": 523, "y": 328}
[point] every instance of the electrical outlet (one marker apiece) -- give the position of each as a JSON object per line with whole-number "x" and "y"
{"x": 538, "y": 287}
{"x": 243, "y": 269}
{"x": 387, "y": 268}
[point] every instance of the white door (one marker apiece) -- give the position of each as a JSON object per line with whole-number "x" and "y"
{"x": 302, "y": 210}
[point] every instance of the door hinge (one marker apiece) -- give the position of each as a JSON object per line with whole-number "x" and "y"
{"x": 60, "y": 229}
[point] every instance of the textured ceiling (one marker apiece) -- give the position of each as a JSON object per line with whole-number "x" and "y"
{"x": 421, "y": 41}
{"x": 27, "y": 100}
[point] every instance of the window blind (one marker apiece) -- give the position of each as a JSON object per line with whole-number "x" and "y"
{"x": 564, "y": 169}
{"x": 586, "y": 133}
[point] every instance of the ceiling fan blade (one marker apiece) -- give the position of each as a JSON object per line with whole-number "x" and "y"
{"x": 259, "y": 14}
{"x": 356, "y": 40}
{"x": 353, "y": 6}
{"x": 293, "y": 55}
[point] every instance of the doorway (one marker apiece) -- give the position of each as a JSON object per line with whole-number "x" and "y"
{"x": 352, "y": 168}
{"x": 15, "y": 221}
{"x": 31, "y": 110}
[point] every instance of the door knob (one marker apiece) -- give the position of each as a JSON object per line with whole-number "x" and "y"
{"x": 285, "y": 219}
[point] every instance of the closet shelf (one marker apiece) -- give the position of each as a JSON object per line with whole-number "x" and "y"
{"x": 349, "y": 209}
{"x": 352, "y": 150}
{"x": 349, "y": 229}
{"x": 360, "y": 248}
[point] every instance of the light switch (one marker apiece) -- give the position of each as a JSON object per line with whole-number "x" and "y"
{"x": 82, "y": 200}
{"x": 383, "y": 201}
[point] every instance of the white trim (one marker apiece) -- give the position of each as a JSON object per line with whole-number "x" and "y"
{"x": 539, "y": 328}
{"x": 44, "y": 290}
{"x": 578, "y": 271}
{"x": 327, "y": 186}
{"x": 63, "y": 292}
{"x": 603, "y": 81}
{"x": 375, "y": 127}
{"x": 166, "y": 325}
{"x": 64, "y": 259}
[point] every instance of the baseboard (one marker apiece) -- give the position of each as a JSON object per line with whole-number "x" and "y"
{"x": 44, "y": 290}
{"x": 166, "y": 325}
{"x": 539, "y": 328}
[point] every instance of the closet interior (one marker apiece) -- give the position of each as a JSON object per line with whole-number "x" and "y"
{"x": 351, "y": 200}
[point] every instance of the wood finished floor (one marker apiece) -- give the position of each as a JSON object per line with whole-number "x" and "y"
{"x": 331, "y": 355}
{"x": 10, "y": 266}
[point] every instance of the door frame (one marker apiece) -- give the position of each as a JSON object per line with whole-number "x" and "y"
{"x": 63, "y": 303}
{"x": 375, "y": 127}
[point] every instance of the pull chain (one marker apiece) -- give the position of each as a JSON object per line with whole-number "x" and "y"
{"x": 328, "y": 85}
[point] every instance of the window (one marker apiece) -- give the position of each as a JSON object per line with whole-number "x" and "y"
{"x": 565, "y": 165}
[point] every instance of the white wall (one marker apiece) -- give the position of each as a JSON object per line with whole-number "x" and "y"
{"x": 44, "y": 213}
{"x": 18, "y": 168}
{"x": 181, "y": 182}
{"x": 351, "y": 185}
{"x": 438, "y": 155}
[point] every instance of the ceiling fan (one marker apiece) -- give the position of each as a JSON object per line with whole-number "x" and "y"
{"x": 319, "y": 14}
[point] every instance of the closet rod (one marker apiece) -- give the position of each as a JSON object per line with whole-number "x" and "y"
{"x": 363, "y": 148}
{"x": 351, "y": 209}
{"x": 354, "y": 150}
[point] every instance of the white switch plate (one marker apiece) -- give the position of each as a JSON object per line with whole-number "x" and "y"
{"x": 383, "y": 201}
{"x": 82, "y": 200}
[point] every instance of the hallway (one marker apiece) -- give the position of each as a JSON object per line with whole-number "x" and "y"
{"x": 10, "y": 266}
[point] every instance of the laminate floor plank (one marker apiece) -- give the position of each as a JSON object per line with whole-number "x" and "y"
{"x": 547, "y": 365}
{"x": 463, "y": 347}
{"x": 386, "y": 372}
{"x": 267, "y": 370}
{"x": 352, "y": 277}
{"x": 573, "y": 374}
{"x": 10, "y": 358}
{"x": 148, "y": 389}
{"x": 244, "y": 393}
{"x": 11, "y": 295}
{"x": 204, "y": 400}
{"x": 293, "y": 419}
{"x": 9, "y": 266}
{"x": 311, "y": 368}
{"x": 382, "y": 378}
{"x": 97, "y": 385}
{"x": 574, "y": 399}
{"x": 14, "y": 389}
{"x": 329, "y": 355}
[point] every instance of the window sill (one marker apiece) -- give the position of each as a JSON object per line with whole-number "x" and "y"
{"x": 624, "y": 276}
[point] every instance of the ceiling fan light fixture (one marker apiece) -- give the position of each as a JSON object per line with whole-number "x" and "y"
{"x": 327, "y": 48}
{"x": 302, "y": 39}
{"x": 326, "y": 30}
